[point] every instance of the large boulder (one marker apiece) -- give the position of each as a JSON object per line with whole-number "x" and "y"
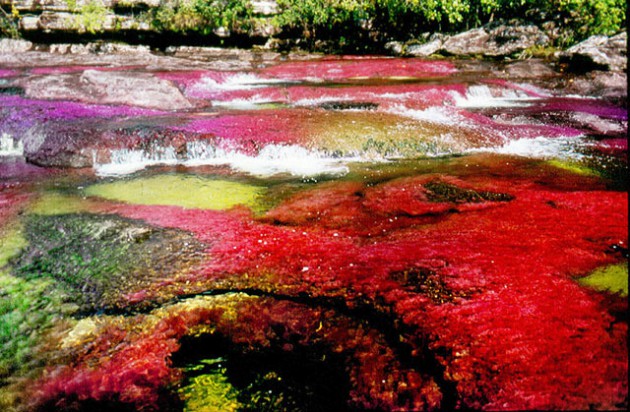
{"x": 598, "y": 53}
{"x": 493, "y": 40}
{"x": 108, "y": 87}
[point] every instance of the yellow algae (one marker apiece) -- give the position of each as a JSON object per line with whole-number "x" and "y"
{"x": 58, "y": 204}
{"x": 613, "y": 278}
{"x": 572, "y": 167}
{"x": 179, "y": 190}
{"x": 385, "y": 134}
{"x": 210, "y": 393}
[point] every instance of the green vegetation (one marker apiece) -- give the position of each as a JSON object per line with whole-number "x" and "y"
{"x": 9, "y": 22}
{"x": 202, "y": 16}
{"x": 384, "y": 20}
{"x": 180, "y": 190}
{"x": 358, "y": 24}
{"x": 613, "y": 278}
{"x": 91, "y": 16}
{"x": 27, "y": 309}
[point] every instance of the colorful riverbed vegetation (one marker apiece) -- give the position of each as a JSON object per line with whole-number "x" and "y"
{"x": 322, "y": 234}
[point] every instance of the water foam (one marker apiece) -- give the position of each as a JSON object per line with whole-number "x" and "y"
{"x": 271, "y": 160}
{"x": 240, "y": 81}
{"x": 540, "y": 148}
{"x": 433, "y": 114}
{"x": 10, "y": 146}
{"x": 480, "y": 96}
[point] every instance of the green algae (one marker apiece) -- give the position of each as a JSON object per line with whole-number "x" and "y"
{"x": 180, "y": 190}
{"x": 210, "y": 392}
{"x": 57, "y": 204}
{"x": 445, "y": 192}
{"x": 12, "y": 241}
{"x": 573, "y": 167}
{"x": 27, "y": 309}
{"x": 612, "y": 278}
{"x": 348, "y": 133}
{"x": 99, "y": 258}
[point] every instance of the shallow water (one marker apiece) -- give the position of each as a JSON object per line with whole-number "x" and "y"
{"x": 308, "y": 234}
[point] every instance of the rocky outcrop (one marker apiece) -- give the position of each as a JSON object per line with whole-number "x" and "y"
{"x": 102, "y": 87}
{"x": 599, "y": 53}
{"x": 496, "y": 40}
{"x": 112, "y": 16}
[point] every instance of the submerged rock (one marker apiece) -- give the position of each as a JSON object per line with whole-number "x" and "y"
{"x": 97, "y": 260}
{"x": 184, "y": 191}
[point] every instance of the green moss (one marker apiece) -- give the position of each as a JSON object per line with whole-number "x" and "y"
{"x": 97, "y": 259}
{"x": 446, "y": 192}
{"x": 613, "y": 278}
{"x": 27, "y": 309}
{"x": 572, "y": 167}
{"x": 11, "y": 243}
{"x": 180, "y": 190}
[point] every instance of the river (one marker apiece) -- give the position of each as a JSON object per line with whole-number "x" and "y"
{"x": 227, "y": 230}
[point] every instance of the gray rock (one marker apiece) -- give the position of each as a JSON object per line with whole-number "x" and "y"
{"x": 528, "y": 69}
{"x": 264, "y": 7}
{"x": 14, "y": 46}
{"x": 471, "y": 42}
{"x": 598, "y": 53}
{"x": 394, "y": 47}
{"x": 433, "y": 46}
{"x": 501, "y": 40}
{"x": 600, "y": 84}
{"x": 94, "y": 86}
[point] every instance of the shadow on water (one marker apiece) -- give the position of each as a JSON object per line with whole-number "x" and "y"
{"x": 272, "y": 379}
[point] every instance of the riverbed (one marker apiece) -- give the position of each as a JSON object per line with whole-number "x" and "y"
{"x": 231, "y": 230}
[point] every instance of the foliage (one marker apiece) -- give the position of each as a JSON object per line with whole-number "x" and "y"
{"x": 91, "y": 16}
{"x": 203, "y": 16}
{"x": 9, "y": 22}
{"x": 386, "y": 20}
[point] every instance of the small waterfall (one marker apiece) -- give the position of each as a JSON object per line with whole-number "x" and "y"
{"x": 10, "y": 146}
{"x": 270, "y": 160}
{"x": 480, "y": 96}
{"x": 540, "y": 148}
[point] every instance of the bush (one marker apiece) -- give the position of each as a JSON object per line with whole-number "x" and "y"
{"x": 9, "y": 22}
{"x": 384, "y": 20}
{"x": 202, "y": 16}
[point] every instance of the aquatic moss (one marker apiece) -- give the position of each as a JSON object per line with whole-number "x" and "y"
{"x": 439, "y": 191}
{"x": 27, "y": 309}
{"x": 179, "y": 190}
{"x": 12, "y": 242}
{"x": 99, "y": 258}
{"x": 384, "y": 134}
{"x": 613, "y": 278}
{"x": 209, "y": 391}
{"x": 573, "y": 167}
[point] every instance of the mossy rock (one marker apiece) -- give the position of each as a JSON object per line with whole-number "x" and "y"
{"x": 98, "y": 259}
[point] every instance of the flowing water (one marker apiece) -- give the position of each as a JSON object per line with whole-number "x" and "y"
{"x": 308, "y": 234}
